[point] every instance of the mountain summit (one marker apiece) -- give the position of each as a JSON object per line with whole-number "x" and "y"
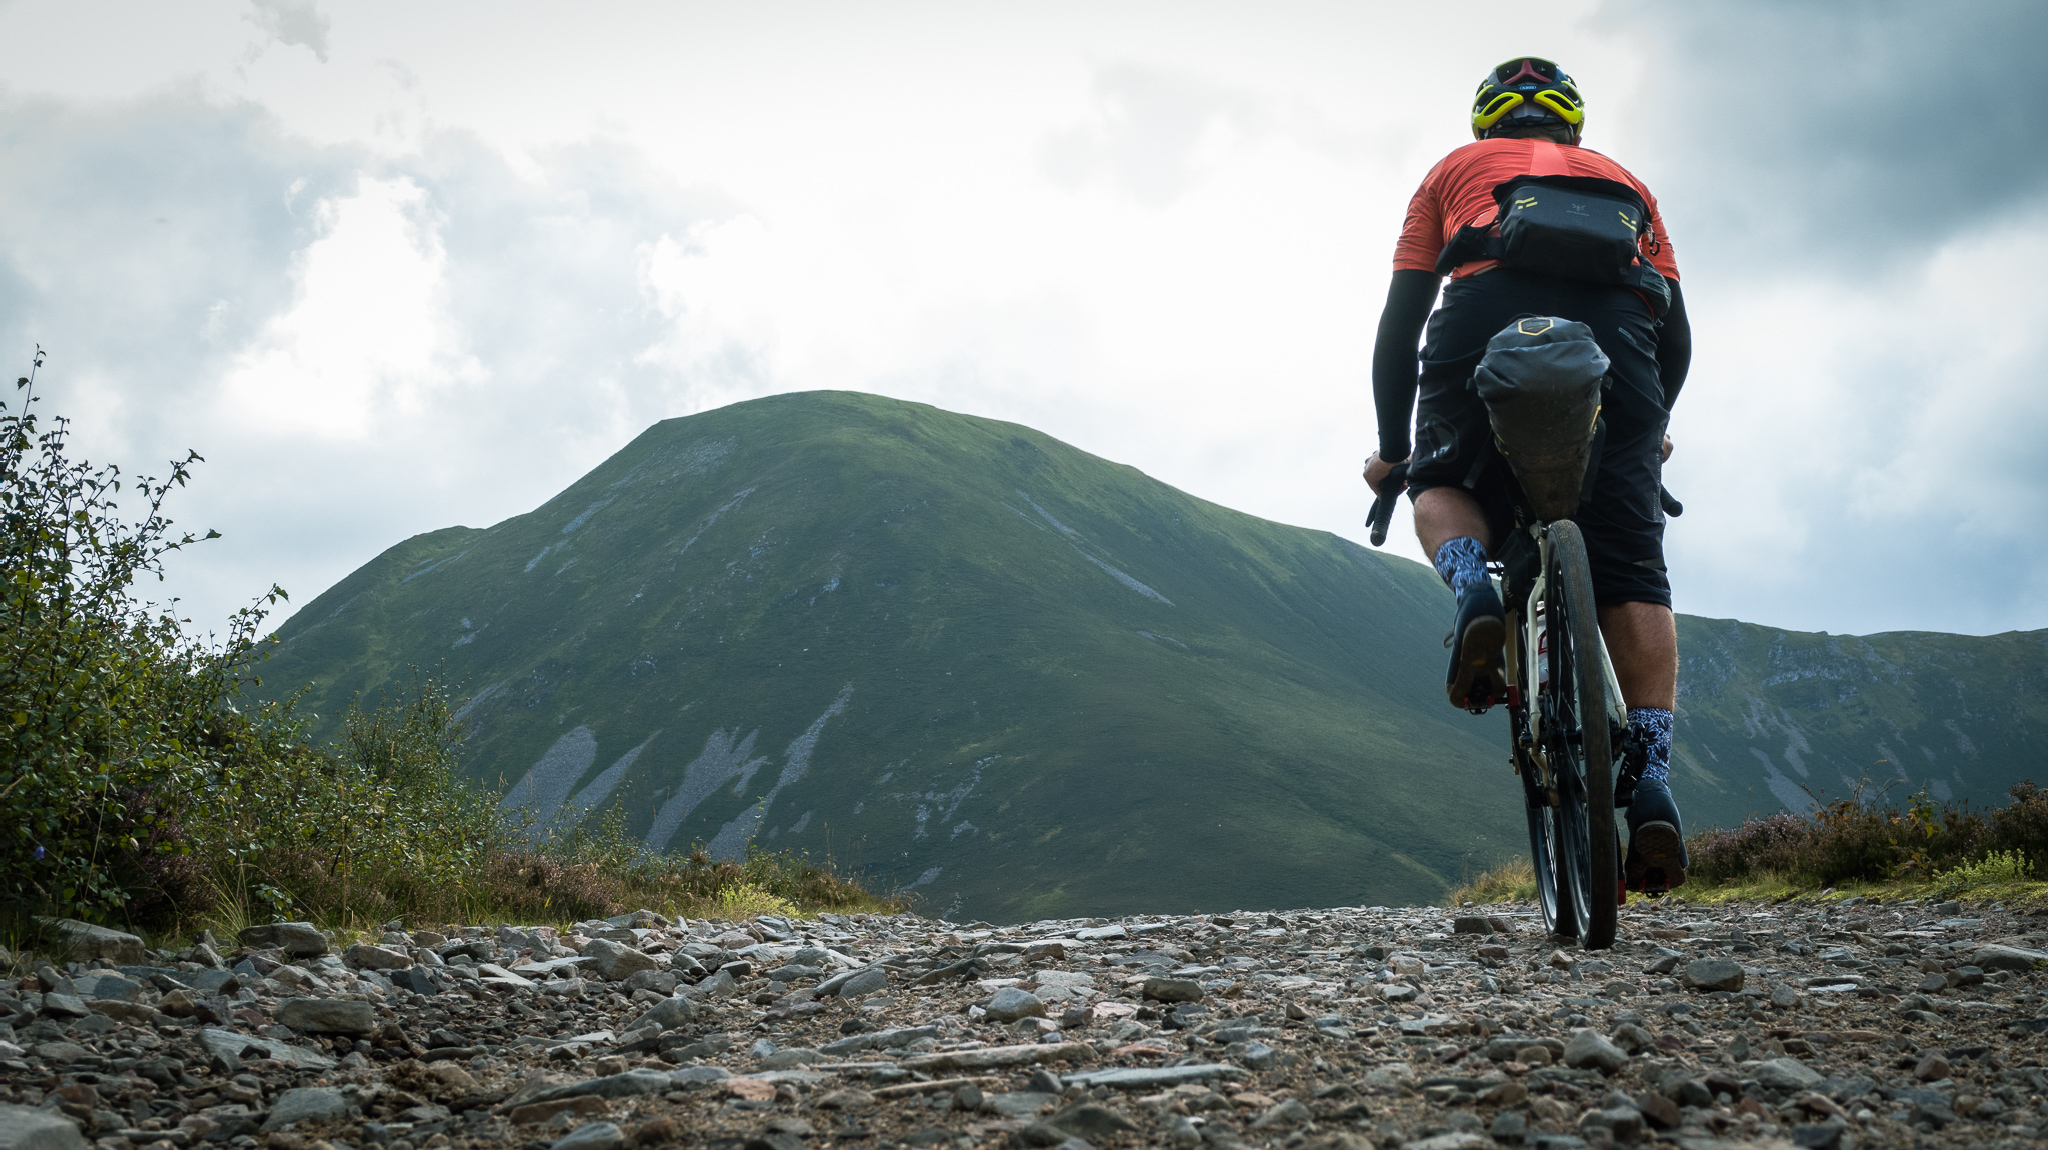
{"x": 1025, "y": 682}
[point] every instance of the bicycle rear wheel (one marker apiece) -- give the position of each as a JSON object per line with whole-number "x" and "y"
{"x": 1579, "y": 744}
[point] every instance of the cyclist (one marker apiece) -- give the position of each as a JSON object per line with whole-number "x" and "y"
{"x": 1527, "y": 118}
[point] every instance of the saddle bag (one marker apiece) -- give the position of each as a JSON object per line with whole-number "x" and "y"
{"x": 1541, "y": 379}
{"x": 1573, "y": 227}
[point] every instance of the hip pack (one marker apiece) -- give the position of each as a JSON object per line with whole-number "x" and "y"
{"x": 1573, "y": 227}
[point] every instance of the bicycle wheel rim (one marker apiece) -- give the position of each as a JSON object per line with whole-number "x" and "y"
{"x": 1577, "y": 653}
{"x": 1557, "y": 915}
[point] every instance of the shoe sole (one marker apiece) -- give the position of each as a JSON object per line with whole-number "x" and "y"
{"x": 1482, "y": 646}
{"x": 1656, "y": 847}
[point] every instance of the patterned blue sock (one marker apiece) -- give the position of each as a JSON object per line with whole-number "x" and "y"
{"x": 1651, "y": 727}
{"x": 1461, "y": 563}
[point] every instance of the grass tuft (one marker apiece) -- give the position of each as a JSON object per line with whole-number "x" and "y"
{"x": 1510, "y": 881}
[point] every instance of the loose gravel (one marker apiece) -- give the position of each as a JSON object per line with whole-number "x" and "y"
{"x": 1846, "y": 1024}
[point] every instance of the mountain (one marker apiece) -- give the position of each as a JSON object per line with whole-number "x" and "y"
{"x": 1022, "y": 681}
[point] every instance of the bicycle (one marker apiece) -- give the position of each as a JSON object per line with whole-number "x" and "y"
{"x": 1568, "y": 725}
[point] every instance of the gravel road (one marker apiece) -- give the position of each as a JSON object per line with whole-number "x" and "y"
{"x": 1801, "y": 1024}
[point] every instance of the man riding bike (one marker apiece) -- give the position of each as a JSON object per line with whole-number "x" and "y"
{"x": 1527, "y": 118}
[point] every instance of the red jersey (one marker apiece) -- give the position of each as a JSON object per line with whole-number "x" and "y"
{"x": 1459, "y": 191}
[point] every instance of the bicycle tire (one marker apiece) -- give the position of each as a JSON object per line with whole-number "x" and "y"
{"x": 1586, "y": 790}
{"x": 1552, "y": 900}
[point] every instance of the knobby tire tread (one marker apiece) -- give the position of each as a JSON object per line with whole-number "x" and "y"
{"x": 1574, "y": 579}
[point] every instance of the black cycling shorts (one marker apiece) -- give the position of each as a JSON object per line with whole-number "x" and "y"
{"x": 1622, "y": 520}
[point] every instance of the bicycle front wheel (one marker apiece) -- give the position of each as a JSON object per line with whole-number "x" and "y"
{"x": 1579, "y": 742}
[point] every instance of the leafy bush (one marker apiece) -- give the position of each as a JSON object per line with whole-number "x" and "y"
{"x": 1997, "y": 868}
{"x": 1862, "y": 838}
{"x": 138, "y": 784}
{"x": 107, "y": 711}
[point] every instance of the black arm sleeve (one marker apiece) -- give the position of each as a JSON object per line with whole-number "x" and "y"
{"x": 1674, "y": 347}
{"x": 1394, "y": 353}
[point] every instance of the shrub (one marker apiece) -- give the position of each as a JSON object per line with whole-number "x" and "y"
{"x": 1860, "y": 838}
{"x": 139, "y": 784}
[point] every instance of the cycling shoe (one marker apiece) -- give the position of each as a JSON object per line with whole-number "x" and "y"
{"x": 1656, "y": 841}
{"x": 1478, "y": 675}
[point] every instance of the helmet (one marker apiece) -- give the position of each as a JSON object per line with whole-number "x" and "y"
{"x": 1524, "y": 92}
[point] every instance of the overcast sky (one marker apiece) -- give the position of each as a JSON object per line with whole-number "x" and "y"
{"x": 392, "y": 267}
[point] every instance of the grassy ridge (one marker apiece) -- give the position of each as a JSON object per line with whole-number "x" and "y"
{"x": 1044, "y": 683}
{"x": 1263, "y": 726}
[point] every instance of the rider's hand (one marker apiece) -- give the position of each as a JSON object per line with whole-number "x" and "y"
{"x": 1666, "y": 457}
{"x": 1377, "y": 470}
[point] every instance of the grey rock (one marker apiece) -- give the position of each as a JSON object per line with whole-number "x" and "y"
{"x": 1712, "y": 974}
{"x": 658, "y": 981}
{"x": 363, "y": 956}
{"x": 1173, "y": 990}
{"x": 298, "y": 939}
{"x": 1633, "y": 1038}
{"x": 1010, "y": 1004}
{"x": 329, "y": 1015}
{"x": 307, "y": 1104}
{"x": 1624, "y": 1123}
{"x": 627, "y": 1085}
{"x": 1471, "y": 924}
{"x": 872, "y": 980}
{"x": 1152, "y": 1078}
{"x": 698, "y": 1075}
{"x": 790, "y": 1058}
{"x": 1455, "y": 1140}
{"x": 108, "y": 985}
{"x": 27, "y": 1128}
{"x": 62, "y": 1052}
{"x": 2000, "y": 957}
{"x": 1819, "y": 1135}
{"x": 1587, "y": 1050}
{"x": 1281, "y": 1115}
{"x": 1019, "y": 1103}
{"x": 667, "y": 1014}
{"x": 1251, "y": 1053}
{"x": 1092, "y": 1120}
{"x": 1787, "y": 1074}
{"x": 64, "y": 1006}
{"x": 591, "y": 1136}
{"x": 84, "y": 942}
{"x": 230, "y": 1046}
{"x": 879, "y": 1040}
{"x": 1784, "y": 996}
{"x": 617, "y": 962}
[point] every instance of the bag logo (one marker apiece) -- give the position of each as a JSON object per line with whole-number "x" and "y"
{"x": 1578, "y": 209}
{"x": 1523, "y": 327}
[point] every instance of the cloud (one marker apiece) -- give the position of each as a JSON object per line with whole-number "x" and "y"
{"x": 425, "y": 283}
{"x": 294, "y": 23}
{"x": 368, "y": 337}
{"x": 351, "y": 341}
{"x": 1845, "y": 136}
{"x": 1152, "y": 132}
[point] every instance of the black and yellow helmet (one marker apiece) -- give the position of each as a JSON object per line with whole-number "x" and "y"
{"x": 1526, "y": 91}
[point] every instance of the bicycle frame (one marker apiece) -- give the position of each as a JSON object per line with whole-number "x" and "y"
{"x": 1522, "y": 669}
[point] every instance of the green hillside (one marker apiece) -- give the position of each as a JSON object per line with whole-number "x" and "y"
{"x": 1024, "y": 681}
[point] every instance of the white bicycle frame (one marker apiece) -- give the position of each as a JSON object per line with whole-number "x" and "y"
{"x": 1524, "y": 670}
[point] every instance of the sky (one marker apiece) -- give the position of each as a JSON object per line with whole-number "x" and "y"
{"x": 394, "y": 267}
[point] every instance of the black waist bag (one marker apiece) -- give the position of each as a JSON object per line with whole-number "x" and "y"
{"x": 1574, "y": 227}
